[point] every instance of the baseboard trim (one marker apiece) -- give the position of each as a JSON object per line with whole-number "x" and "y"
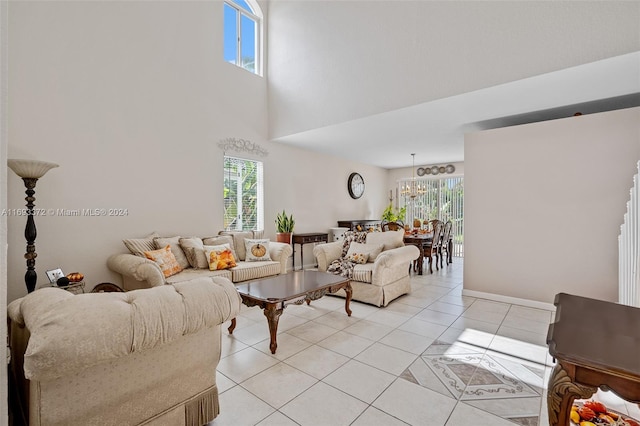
{"x": 507, "y": 299}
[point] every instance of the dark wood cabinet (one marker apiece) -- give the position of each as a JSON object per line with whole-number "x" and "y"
{"x": 360, "y": 225}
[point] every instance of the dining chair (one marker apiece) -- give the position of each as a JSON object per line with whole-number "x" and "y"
{"x": 432, "y": 248}
{"x": 445, "y": 245}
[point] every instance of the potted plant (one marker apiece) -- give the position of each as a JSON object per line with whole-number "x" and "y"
{"x": 394, "y": 215}
{"x": 284, "y": 227}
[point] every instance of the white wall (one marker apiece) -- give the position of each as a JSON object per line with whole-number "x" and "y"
{"x": 335, "y": 61}
{"x": 544, "y": 203}
{"x": 131, "y": 99}
{"x": 4, "y": 409}
{"x": 313, "y": 187}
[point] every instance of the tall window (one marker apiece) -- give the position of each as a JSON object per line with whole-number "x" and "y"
{"x": 442, "y": 200}
{"x": 242, "y": 34}
{"x": 243, "y": 195}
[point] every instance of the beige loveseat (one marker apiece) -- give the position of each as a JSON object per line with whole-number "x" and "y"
{"x": 140, "y": 272}
{"x": 385, "y": 276}
{"x": 140, "y": 357}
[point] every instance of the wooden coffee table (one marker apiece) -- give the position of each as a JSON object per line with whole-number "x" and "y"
{"x": 595, "y": 344}
{"x": 275, "y": 293}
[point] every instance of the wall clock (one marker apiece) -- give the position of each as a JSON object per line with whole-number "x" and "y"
{"x": 355, "y": 185}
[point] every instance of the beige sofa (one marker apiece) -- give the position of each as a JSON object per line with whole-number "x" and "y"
{"x": 140, "y": 272}
{"x": 382, "y": 280}
{"x": 140, "y": 357}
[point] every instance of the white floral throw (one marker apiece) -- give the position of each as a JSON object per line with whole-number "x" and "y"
{"x": 342, "y": 266}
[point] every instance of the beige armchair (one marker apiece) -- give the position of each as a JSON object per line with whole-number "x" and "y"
{"x": 142, "y": 357}
{"x": 384, "y": 277}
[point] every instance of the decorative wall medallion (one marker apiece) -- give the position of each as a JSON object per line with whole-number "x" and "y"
{"x": 242, "y": 145}
{"x": 436, "y": 170}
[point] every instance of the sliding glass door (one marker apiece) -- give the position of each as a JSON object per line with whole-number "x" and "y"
{"x": 443, "y": 200}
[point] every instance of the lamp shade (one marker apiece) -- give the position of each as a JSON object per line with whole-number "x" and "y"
{"x": 33, "y": 169}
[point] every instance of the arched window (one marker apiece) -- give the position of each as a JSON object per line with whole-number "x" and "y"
{"x": 243, "y": 34}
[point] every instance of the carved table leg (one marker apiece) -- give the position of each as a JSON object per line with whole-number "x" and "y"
{"x": 272, "y": 313}
{"x": 348, "y": 290}
{"x": 232, "y": 326}
{"x": 562, "y": 391}
{"x": 420, "y": 259}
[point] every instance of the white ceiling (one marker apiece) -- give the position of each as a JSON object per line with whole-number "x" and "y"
{"x": 438, "y": 127}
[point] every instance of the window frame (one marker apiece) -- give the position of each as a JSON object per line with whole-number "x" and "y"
{"x": 239, "y": 198}
{"x": 255, "y": 14}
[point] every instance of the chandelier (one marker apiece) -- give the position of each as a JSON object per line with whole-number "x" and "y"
{"x": 413, "y": 188}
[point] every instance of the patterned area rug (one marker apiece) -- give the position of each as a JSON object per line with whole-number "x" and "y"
{"x": 476, "y": 376}
{"x": 504, "y": 387}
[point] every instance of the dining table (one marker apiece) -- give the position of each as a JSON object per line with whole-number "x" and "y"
{"x": 421, "y": 241}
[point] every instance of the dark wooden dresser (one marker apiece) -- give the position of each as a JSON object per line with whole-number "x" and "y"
{"x": 360, "y": 225}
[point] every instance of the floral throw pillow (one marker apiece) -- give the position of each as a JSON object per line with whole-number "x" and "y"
{"x": 219, "y": 257}
{"x": 371, "y": 250}
{"x": 257, "y": 250}
{"x": 165, "y": 260}
{"x": 360, "y": 258}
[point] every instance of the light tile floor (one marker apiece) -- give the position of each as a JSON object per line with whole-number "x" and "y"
{"x": 433, "y": 357}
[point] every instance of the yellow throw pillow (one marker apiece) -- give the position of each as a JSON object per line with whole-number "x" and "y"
{"x": 165, "y": 260}
{"x": 219, "y": 257}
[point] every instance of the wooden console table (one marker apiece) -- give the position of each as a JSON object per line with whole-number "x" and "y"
{"x": 302, "y": 239}
{"x": 595, "y": 344}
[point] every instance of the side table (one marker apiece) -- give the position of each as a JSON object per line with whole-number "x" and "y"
{"x": 75, "y": 288}
{"x": 595, "y": 344}
{"x": 302, "y": 239}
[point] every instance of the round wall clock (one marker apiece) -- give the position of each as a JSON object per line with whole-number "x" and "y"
{"x": 355, "y": 185}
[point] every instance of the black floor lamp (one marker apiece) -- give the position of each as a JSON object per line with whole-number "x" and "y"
{"x": 30, "y": 171}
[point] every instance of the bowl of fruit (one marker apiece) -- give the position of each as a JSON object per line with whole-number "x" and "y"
{"x": 595, "y": 413}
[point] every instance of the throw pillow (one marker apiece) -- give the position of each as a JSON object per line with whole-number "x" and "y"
{"x": 219, "y": 257}
{"x": 174, "y": 242}
{"x": 360, "y": 258}
{"x": 138, "y": 246}
{"x": 220, "y": 240}
{"x": 257, "y": 250}
{"x": 390, "y": 239}
{"x": 194, "y": 251}
{"x": 165, "y": 259}
{"x": 238, "y": 241}
{"x": 371, "y": 250}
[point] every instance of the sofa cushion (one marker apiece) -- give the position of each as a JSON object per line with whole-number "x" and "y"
{"x": 174, "y": 242}
{"x": 219, "y": 257}
{"x": 256, "y": 250}
{"x": 165, "y": 260}
{"x": 138, "y": 246}
{"x": 371, "y": 250}
{"x": 389, "y": 239}
{"x": 192, "y": 273}
{"x": 254, "y": 270}
{"x": 193, "y": 249}
{"x": 220, "y": 240}
{"x": 111, "y": 325}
